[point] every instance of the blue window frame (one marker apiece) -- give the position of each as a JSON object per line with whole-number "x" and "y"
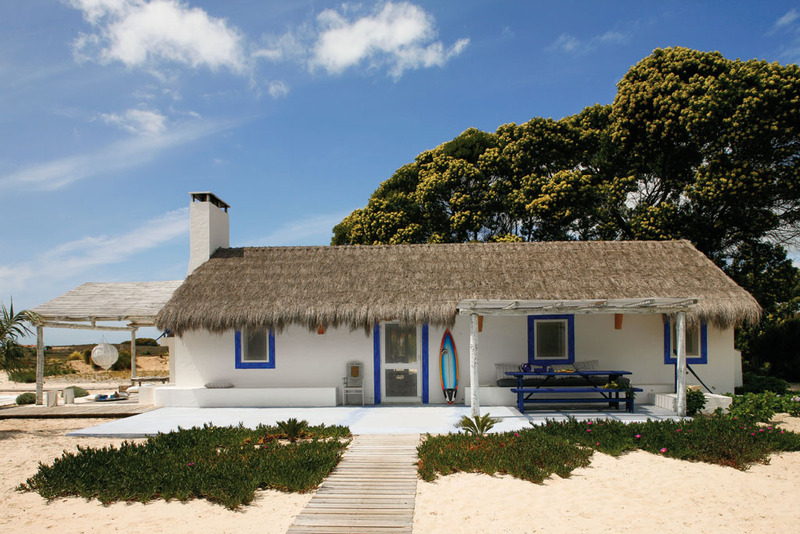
{"x": 560, "y": 332}
{"x": 265, "y": 362}
{"x": 700, "y": 341}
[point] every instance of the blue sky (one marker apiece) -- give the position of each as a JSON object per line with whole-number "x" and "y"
{"x": 291, "y": 112}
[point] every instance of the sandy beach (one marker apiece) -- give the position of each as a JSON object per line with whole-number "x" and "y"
{"x": 632, "y": 493}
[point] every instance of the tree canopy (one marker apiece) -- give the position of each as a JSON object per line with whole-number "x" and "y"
{"x": 694, "y": 146}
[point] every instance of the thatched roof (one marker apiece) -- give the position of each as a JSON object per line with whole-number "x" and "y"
{"x": 358, "y": 286}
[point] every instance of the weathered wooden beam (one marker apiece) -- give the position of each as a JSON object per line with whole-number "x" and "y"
{"x": 83, "y": 326}
{"x": 473, "y": 365}
{"x": 40, "y": 364}
{"x": 133, "y": 354}
{"x": 680, "y": 385}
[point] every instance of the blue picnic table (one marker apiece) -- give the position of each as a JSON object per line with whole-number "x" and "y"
{"x": 531, "y": 384}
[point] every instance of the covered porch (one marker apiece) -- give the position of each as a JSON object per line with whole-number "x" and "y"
{"x": 676, "y": 307}
{"x": 104, "y": 307}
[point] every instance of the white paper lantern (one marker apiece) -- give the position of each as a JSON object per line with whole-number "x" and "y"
{"x": 104, "y": 355}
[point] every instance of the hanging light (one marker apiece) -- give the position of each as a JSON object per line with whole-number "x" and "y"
{"x": 104, "y": 355}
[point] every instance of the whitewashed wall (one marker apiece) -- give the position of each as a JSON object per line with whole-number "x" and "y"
{"x": 307, "y": 359}
{"x": 303, "y": 359}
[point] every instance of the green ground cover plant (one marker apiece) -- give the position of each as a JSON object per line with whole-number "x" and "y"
{"x": 763, "y": 406}
{"x": 559, "y": 447}
{"x": 224, "y": 465}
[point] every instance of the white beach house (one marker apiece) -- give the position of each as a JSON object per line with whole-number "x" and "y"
{"x": 277, "y": 326}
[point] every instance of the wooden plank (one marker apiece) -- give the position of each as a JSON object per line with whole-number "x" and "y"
{"x": 372, "y": 489}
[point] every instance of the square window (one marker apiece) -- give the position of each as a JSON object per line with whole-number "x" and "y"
{"x": 254, "y": 349}
{"x": 255, "y": 346}
{"x": 551, "y": 340}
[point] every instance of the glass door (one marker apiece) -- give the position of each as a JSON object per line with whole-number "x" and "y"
{"x": 401, "y": 362}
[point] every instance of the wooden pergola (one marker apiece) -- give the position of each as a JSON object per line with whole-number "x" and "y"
{"x": 674, "y": 306}
{"x": 83, "y": 308}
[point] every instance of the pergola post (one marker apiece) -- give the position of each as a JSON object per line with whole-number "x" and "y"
{"x": 39, "y": 365}
{"x": 680, "y": 383}
{"x": 133, "y": 353}
{"x": 474, "y": 382}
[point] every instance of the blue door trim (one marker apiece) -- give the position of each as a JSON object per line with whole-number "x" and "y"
{"x": 425, "y": 364}
{"x": 376, "y": 355}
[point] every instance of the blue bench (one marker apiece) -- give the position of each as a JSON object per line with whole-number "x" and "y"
{"x": 611, "y": 396}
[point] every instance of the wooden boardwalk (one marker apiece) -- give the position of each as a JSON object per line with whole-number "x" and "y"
{"x": 371, "y": 490}
{"x": 81, "y": 410}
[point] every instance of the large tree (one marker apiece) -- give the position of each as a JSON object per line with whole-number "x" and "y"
{"x": 694, "y": 146}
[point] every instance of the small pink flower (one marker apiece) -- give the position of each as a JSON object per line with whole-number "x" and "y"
{"x": 637, "y": 436}
{"x": 190, "y": 464}
{"x": 588, "y": 429}
{"x": 752, "y": 433}
{"x": 663, "y": 450}
{"x": 781, "y": 431}
{"x": 769, "y": 428}
{"x": 589, "y": 423}
{"x": 761, "y": 430}
{"x": 679, "y": 430}
{"x": 598, "y": 443}
{"x": 516, "y": 434}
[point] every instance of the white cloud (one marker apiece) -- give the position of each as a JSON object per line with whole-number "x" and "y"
{"x": 788, "y": 19}
{"x": 143, "y": 34}
{"x": 278, "y": 89}
{"x": 400, "y": 35}
{"x": 80, "y": 256}
{"x": 138, "y": 121}
{"x": 566, "y": 42}
{"x": 115, "y": 157}
{"x": 573, "y": 45}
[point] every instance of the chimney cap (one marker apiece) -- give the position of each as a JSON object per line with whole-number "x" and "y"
{"x": 208, "y": 196}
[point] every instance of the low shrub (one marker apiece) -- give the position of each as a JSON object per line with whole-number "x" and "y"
{"x": 224, "y": 465}
{"x": 293, "y": 429}
{"x": 695, "y": 402}
{"x": 123, "y": 362}
{"x": 75, "y": 356}
{"x": 753, "y": 383}
{"x": 26, "y": 398}
{"x": 478, "y": 425}
{"x": 23, "y": 375}
{"x": 79, "y": 391}
{"x": 791, "y": 405}
{"x": 756, "y": 406}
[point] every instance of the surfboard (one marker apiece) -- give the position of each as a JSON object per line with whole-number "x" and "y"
{"x": 448, "y": 364}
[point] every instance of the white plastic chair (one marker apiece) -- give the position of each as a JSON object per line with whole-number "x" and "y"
{"x": 353, "y": 382}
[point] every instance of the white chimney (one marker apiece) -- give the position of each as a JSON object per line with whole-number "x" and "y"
{"x": 208, "y": 227}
